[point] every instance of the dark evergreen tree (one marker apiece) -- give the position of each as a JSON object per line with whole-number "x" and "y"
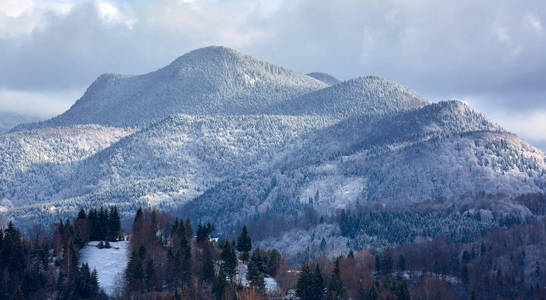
{"x": 335, "y": 288}
{"x": 305, "y": 284}
{"x": 229, "y": 259}
{"x": 403, "y": 293}
{"x": 273, "y": 262}
{"x": 134, "y": 273}
{"x": 244, "y": 244}
{"x": 207, "y": 264}
{"x": 220, "y": 284}
{"x": 18, "y": 295}
{"x": 318, "y": 283}
{"x": 401, "y": 263}
{"x": 387, "y": 261}
{"x": 114, "y": 224}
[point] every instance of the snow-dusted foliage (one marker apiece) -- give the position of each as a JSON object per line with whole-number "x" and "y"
{"x": 301, "y": 244}
{"x": 441, "y": 150}
{"x": 368, "y": 95}
{"x": 164, "y": 165}
{"x": 222, "y": 137}
{"x": 33, "y": 162}
{"x": 212, "y": 80}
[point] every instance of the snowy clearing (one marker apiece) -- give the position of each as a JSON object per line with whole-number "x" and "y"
{"x": 110, "y": 263}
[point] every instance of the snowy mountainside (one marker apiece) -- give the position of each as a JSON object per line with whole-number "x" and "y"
{"x": 211, "y": 80}
{"x": 441, "y": 150}
{"x": 169, "y": 163}
{"x": 222, "y": 137}
{"x": 32, "y": 161}
{"x": 200, "y": 150}
{"x": 369, "y": 95}
{"x": 326, "y": 78}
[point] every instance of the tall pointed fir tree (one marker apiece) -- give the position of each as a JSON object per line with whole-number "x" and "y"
{"x": 244, "y": 244}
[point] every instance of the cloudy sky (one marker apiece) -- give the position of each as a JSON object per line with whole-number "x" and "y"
{"x": 488, "y": 53}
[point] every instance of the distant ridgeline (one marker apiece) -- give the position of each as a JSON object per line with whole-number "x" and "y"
{"x": 319, "y": 166}
{"x": 166, "y": 260}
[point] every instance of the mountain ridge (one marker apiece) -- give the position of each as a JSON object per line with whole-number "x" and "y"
{"x": 211, "y": 80}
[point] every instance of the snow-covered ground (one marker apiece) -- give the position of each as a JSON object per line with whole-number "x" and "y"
{"x": 110, "y": 263}
{"x": 271, "y": 285}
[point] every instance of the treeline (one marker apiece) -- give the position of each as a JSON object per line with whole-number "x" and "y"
{"x": 168, "y": 262}
{"x": 45, "y": 265}
{"x": 98, "y": 225}
{"x": 505, "y": 264}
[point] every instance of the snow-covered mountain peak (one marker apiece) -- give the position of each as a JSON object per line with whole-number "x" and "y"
{"x": 212, "y": 80}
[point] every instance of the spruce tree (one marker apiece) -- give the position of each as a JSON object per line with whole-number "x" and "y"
{"x": 207, "y": 264}
{"x": 317, "y": 283}
{"x": 18, "y": 295}
{"x": 229, "y": 259}
{"x": 305, "y": 283}
{"x": 244, "y": 244}
{"x": 402, "y": 263}
{"x": 220, "y": 284}
{"x": 114, "y": 224}
{"x": 403, "y": 292}
{"x": 335, "y": 289}
{"x": 387, "y": 261}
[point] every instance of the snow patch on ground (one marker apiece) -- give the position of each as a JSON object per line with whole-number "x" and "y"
{"x": 110, "y": 263}
{"x": 271, "y": 285}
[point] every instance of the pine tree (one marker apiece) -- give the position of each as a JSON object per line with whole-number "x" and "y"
{"x": 464, "y": 274}
{"x": 244, "y": 244}
{"x": 317, "y": 284}
{"x": 387, "y": 261}
{"x": 134, "y": 273}
{"x": 185, "y": 248}
{"x": 207, "y": 267}
{"x": 188, "y": 229}
{"x": 149, "y": 274}
{"x": 273, "y": 262}
{"x": 401, "y": 263}
{"x": 220, "y": 284}
{"x": 335, "y": 289}
{"x": 305, "y": 284}
{"x": 253, "y": 272}
{"x": 403, "y": 292}
{"x": 18, "y": 295}
{"x": 114, "y": 224}
{"x": 229, "y": 259}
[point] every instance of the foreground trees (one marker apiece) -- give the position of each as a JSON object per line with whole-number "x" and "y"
{"x": 167, "y": 260}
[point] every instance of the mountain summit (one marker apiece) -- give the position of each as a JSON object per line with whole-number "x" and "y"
{"x": 211, "y": 80}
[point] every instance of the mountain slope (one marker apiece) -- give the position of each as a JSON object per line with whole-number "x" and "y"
{"x": 166, "y": 164}
{"x": 31, "y": 162}
{"x": 440, "y": 150}
{"x": 212, "y": 80}
{"x": 370, "y": 95}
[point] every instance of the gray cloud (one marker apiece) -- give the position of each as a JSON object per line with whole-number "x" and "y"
{"x": 489, "y": 53}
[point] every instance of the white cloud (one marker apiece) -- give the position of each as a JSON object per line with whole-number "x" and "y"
{"x": 14, "y": 8}
{"x": 531, "y": 125}
{"x": 533, "y": 22}
{"x": 22, "y": 17}
{"x": 37, "y": 103}
{"x": 113, "y": 14}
